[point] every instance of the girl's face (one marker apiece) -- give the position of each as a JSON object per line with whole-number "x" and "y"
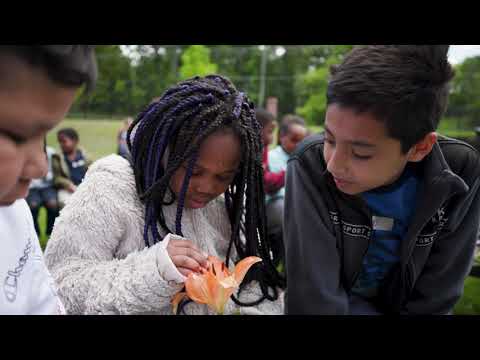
{"x": 217, "y": 164}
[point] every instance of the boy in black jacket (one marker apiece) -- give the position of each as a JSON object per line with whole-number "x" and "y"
{"x": 381, "y": 213}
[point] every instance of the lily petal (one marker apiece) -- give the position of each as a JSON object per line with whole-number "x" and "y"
{"x": 243, "y": 266}
{"x": 197, "y": 288}
{"x": 214, "y": 287}
{"x": 229, "y": 282}
{"x": 176, "y": 299}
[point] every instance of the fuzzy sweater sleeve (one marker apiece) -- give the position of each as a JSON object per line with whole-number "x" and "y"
{"x": 82, "y": 256}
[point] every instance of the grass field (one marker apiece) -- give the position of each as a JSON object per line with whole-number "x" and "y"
{"x": 98, "y": 137}
{"x": 453, "y": 128}
{"x": 469, "y": 304}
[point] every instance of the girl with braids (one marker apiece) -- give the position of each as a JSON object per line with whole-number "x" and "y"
{"x": 132, "y": 232}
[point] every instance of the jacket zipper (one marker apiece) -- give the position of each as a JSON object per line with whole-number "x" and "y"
{"x": 357, "y": 274}
{"x": 410, "y": 274}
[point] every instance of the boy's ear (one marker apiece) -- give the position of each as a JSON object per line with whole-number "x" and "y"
{"x": 422, "y": 148}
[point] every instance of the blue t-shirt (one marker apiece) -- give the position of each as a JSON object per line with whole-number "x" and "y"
{"x": 77, "y": 167}
{"x": 277, "y": 162}
{"x": 392, "y": 208}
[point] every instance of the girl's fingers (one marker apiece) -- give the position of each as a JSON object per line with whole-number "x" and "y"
{"x": 186, "y": 262}
{"x": 188, "y": 252}
{"x": 184, "y": 271}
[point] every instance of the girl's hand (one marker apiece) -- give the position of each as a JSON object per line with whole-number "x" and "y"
{"x": 186, "y": 256}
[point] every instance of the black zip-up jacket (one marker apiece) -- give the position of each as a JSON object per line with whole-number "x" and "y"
{"x": 327, "y": 234}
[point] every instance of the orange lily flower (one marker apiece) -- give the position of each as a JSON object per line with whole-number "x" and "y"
{"x": 215, "y": 285}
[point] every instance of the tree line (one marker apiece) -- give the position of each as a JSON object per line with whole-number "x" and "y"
{"x": 131, "y": 76}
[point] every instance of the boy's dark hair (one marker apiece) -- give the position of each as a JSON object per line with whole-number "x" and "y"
{"x": 179, "y": 122}
{"x": 264, "y": 117}
{"x": 69, "y": 132}
{"x": 288, "y": 120}
{"x": 68, "y": 65}
{"x": 404, "y": 86}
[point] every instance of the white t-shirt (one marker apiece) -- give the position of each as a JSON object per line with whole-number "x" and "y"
{"x": 26, "y": 286}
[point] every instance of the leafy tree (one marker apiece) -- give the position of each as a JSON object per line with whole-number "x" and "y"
{"x": 312, "y": 86}
{"x": 196, "y": 62}
{"x": 464, "y": 101}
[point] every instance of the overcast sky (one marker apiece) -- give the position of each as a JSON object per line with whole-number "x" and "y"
{"x": 458, "y": 53}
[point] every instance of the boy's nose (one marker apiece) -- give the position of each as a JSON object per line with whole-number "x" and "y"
{"x": 36, "y": 165}
{"x": 337, "y": 164}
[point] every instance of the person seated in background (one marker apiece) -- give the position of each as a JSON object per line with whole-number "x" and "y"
{"x": 272, "y": 181}
{"x": 292, "y": 131}
{"x": 122, "y": 148}
{"x": 70, "y": 167}
{"x": 42, "y": 192}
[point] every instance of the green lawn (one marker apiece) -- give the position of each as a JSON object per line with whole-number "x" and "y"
{"x": 454, "y": 128}
{"x": 42, "y": 223}
{"x": 98, "y": 137}
{"x": 469, "y": 304}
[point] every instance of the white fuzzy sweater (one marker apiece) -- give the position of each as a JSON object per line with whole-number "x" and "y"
{"x": 98, "y": 256}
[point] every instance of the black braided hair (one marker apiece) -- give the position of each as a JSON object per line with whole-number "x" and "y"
{"x": 179, "y": 121}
